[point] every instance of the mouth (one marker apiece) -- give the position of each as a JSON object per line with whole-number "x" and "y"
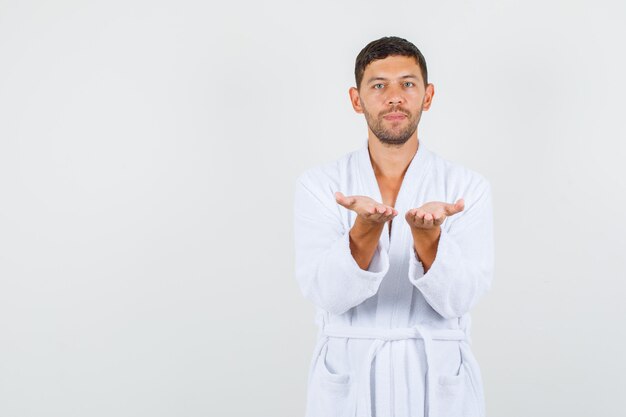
{"x": 394, "y": 116}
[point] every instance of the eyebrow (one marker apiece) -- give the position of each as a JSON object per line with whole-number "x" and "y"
{"x": 385, "y": 79}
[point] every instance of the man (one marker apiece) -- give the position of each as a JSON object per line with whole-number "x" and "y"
{"x": 393, "y": 294}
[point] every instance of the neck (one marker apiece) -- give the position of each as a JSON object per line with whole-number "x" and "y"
{"x": 391, "y": 162}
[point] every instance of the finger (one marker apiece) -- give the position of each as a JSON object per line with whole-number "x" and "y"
{"x": 449, "y": 209}
{"x": 343, "y": 200}
{"x": 458, "y": 206}
{"x": 387, "y": 214}
{"x": 390, "y": 214}
{"x": 385, "y": 211}
{"x": 380, "y": 213}
{"x": 438, "y": 220}
{"x": 428, "y": 220}
{"x": 410, "y": 216}
{"x": 374, "y": 213}
{"x": 416, "y": 218}
{"x": 419, "y": 219}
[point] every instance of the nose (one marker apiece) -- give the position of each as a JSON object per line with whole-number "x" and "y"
{"x": 394, "y": 95}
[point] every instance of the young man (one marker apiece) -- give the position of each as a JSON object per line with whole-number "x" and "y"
{"x": 393, "y": 293}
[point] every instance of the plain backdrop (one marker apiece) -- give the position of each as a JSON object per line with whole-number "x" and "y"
{"x": 148, "y": 153}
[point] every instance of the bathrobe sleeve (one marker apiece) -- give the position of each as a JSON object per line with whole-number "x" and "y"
{"x": 463, "y": 267}
{"x": 325, "y": 269}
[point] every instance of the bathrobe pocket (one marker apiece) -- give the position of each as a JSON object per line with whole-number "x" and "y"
{"x": 455, "y": 395}
{"x": 331, "y": 393}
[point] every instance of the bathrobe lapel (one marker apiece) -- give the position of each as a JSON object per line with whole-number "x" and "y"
{"x": 395, "y": 290}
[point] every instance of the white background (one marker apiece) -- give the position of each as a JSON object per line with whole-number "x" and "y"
{"x": 148, "y": 152}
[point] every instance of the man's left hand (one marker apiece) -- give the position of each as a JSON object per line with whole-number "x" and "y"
{"x": 432, "y": 214}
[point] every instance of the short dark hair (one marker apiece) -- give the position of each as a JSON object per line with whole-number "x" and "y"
{"x": 384, "y": 47}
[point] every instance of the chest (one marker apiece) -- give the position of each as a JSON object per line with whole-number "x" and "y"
{"x": 389, "y": 190}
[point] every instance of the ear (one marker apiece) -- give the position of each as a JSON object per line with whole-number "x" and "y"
{"x": 355, "y": 100}
{"x": 428, "y": 96}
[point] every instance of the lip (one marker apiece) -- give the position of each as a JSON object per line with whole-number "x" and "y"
{"x": 394, "y": 116}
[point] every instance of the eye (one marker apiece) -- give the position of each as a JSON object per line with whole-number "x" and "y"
{"x": 408, "y": 84}
{"x": 378, "y": 86}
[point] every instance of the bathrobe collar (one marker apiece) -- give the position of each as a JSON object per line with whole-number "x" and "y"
{"x": 406, "y": 200}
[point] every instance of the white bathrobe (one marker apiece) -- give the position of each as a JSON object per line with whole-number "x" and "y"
{"x": 393, "y": 341}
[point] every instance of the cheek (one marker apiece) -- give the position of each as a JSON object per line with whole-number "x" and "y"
{"x": 372, "y": 105}
{"x": 419, "y": 101}
{"x": 418, "y": 95}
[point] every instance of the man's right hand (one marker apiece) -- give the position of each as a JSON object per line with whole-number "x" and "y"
{"x": 368, "y": 225}
{"x": 369, "y": 211}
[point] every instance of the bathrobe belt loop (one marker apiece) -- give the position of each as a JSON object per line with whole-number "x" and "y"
{"x": 382, "y": 336}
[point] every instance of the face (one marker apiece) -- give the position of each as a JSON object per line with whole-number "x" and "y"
{"x": 392, "y": 97}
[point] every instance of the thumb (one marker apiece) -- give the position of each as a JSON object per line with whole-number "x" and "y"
{"x": 343, "y": 200}
{"x": 458, "y": 206}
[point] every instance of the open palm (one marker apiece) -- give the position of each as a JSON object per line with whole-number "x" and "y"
{"x": 367, "y": 208}
{"x": 432, "y": 214}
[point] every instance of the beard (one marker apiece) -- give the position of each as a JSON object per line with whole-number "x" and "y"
{"x": 393, "y": 134}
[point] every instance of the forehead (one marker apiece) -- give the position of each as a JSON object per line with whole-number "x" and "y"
{"x": 392, "y": 67}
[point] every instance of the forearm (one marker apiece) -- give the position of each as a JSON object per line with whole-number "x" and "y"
{"x": 425, "y": 244}
{"x": 363, "y": 242}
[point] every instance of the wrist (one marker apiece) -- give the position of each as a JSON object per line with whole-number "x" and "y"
{"x": 431, "y": 234}
{"x": 362, "y": 228}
